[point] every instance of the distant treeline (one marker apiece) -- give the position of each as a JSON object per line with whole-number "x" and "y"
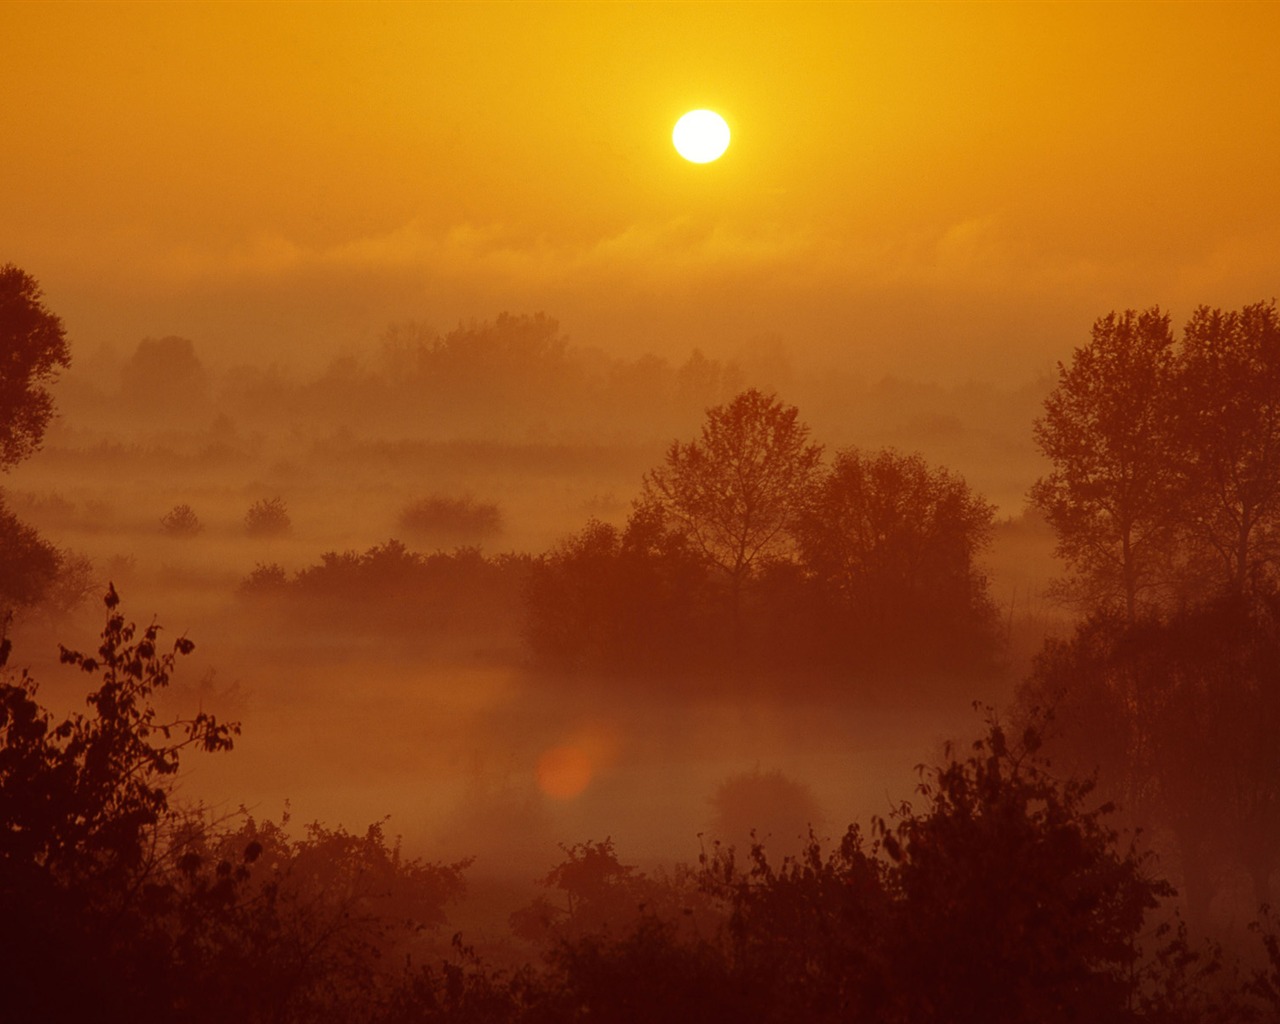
{"x": 499, "y": 378}
{"x": 516, "y": 377}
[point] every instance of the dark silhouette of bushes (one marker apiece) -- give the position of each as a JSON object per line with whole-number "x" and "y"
{"x": 267, "y": 578}
{"x": 592, "y": 892}
{"x": 28, "y": 563}
{"x": 1001, "y": 895}
{"x": 631, "y": 601}
{"x": 451, "y": 520}
{"x": 391, "y": 591}
{"x": 116, "y": 904}
{"x": 181, "y": 521}
{"x": 267, "y": 517}
{"x": 744, "y": 554}
{"x": 85, "y": 824}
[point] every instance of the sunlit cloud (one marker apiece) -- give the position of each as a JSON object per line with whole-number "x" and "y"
{"x": 678, "y": 252}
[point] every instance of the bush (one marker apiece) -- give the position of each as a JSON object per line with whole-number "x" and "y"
{"x": 453, "y": 519}
{"x": 85, "y": 817}
{"x": 766, "y": 804}
{"x": 165, "y": 914}
{"x": 267, "y": 518}
{"x": 181, "y": 521}
{"x": 266, "y": 578}
{"x": 1002, "y": 896}
{"x": 74, "y": 583}
{"x": 28, "y": 563}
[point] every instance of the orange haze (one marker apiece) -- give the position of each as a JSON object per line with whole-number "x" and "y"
{"x": 951, "y": 191}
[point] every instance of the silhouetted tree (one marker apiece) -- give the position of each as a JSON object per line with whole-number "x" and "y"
{"x": 1228, "y": 424}
{"x": 28, "y": 563}
{"x": 83, "y": 806}
{"x": 623, "y": 945}
{"x": 118, "y": 905}
{"x": 621, "y": 601}
{"x": 1179, "y": 718}
{"x": 33, "y": 346}
{"x": 1022, "y": 906}
{"x": 737, "y": 491}
{"x": 740, "y": 548}
{"x": 181, "y": 521}
{"x": 599, "y": 893}
{"x": 780, "y": 810}
{"x": 892, "y": 546}
{"x": 165, "y": 373}
{"x": 1113, "y": 494}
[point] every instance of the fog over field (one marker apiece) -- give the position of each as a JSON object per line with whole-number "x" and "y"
{"x": 442, "y": 726}
{"x": 476, "y": 549}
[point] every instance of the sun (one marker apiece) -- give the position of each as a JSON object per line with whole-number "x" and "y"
{"x": 701, "y": 136}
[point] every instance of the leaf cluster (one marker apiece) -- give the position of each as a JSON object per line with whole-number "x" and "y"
{"x": 33, "y": 348}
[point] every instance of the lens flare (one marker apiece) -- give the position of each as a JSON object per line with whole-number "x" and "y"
{"x": 564, "y": 772}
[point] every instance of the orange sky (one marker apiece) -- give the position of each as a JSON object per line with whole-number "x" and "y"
{"x": 941, "y": 191}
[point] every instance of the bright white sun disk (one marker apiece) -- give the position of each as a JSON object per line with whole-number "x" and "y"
{"x": 701, "y": 136}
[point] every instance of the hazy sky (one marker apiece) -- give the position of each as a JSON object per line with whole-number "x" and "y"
{"x": 944, "y": 191}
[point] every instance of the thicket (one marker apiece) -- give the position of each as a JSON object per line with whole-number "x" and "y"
{"x": 745, "y": 549}
{"x": 268, "y": 517}
{"x": 1165, "y": 497}
{"x": 33, "y": 350}
{"x": 451, "y": 520}
{"x": 117, "y": 903}
{"x": 1001, "y": 894}
{"x": 745, "y": 553}
{"x": 181, "y": 521}
{"x": 389, "y": 590}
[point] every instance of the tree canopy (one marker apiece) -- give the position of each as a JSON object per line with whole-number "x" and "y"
{"x": 1107, "y": 429}
{"x": 744, "y": 549}
{"x": 1228, "y": 430}
{"x": 891, "y": 545}
{"x": 1166, "y": 458}
{"x": 738, "y": 490}
{"x": 33, "y": 347}
{"x": 1165, "y": 495}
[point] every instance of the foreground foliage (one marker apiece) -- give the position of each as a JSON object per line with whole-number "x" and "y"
{"x": 1002, "y": 895}
{"x": 118, "y": 904}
